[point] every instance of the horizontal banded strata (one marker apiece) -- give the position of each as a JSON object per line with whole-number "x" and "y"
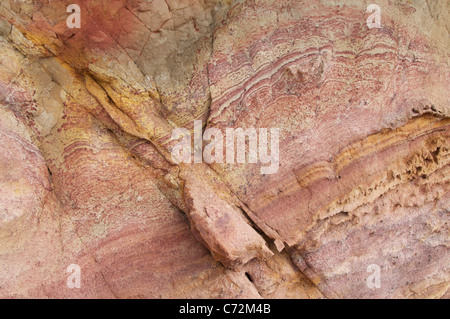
{"x": 88, "y": 178}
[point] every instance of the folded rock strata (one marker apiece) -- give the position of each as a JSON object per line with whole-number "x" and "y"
{"x": 87, "y": 175}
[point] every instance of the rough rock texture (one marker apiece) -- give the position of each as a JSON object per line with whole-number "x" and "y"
{"x": 87, "y": 176}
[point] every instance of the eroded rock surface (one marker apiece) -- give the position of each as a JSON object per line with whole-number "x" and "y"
{"x": 87, "y": 176}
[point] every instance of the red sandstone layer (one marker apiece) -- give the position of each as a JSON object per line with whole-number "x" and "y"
{"x": 87, "y": 175}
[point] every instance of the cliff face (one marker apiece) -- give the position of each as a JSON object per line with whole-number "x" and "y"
{"x": 88, "y": 176}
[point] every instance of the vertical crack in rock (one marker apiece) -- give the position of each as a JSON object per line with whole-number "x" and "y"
{"x": 220, "y": 225}
{"x": 364, "y": 154}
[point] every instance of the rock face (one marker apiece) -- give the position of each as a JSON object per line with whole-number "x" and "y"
{"x": 361, "y": 190}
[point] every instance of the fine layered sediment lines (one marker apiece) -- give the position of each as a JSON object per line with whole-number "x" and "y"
{"x": 364, "y": 162}
{"x": 348, "y": 101}
{"x": 416, "y": 217}
{"x": 407, "y": 175}
{"x": 369, "y": 167}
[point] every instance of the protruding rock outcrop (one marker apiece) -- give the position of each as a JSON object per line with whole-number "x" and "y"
{"x": 87, "y": 175}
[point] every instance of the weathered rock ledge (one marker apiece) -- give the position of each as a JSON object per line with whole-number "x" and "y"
{"x": 87, "y": 176}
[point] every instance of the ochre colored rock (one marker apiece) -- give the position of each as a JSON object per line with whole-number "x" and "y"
{"x": 88, "y": 178}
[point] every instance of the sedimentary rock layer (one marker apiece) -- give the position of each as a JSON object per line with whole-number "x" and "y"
{"x": 88, "y": 176}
